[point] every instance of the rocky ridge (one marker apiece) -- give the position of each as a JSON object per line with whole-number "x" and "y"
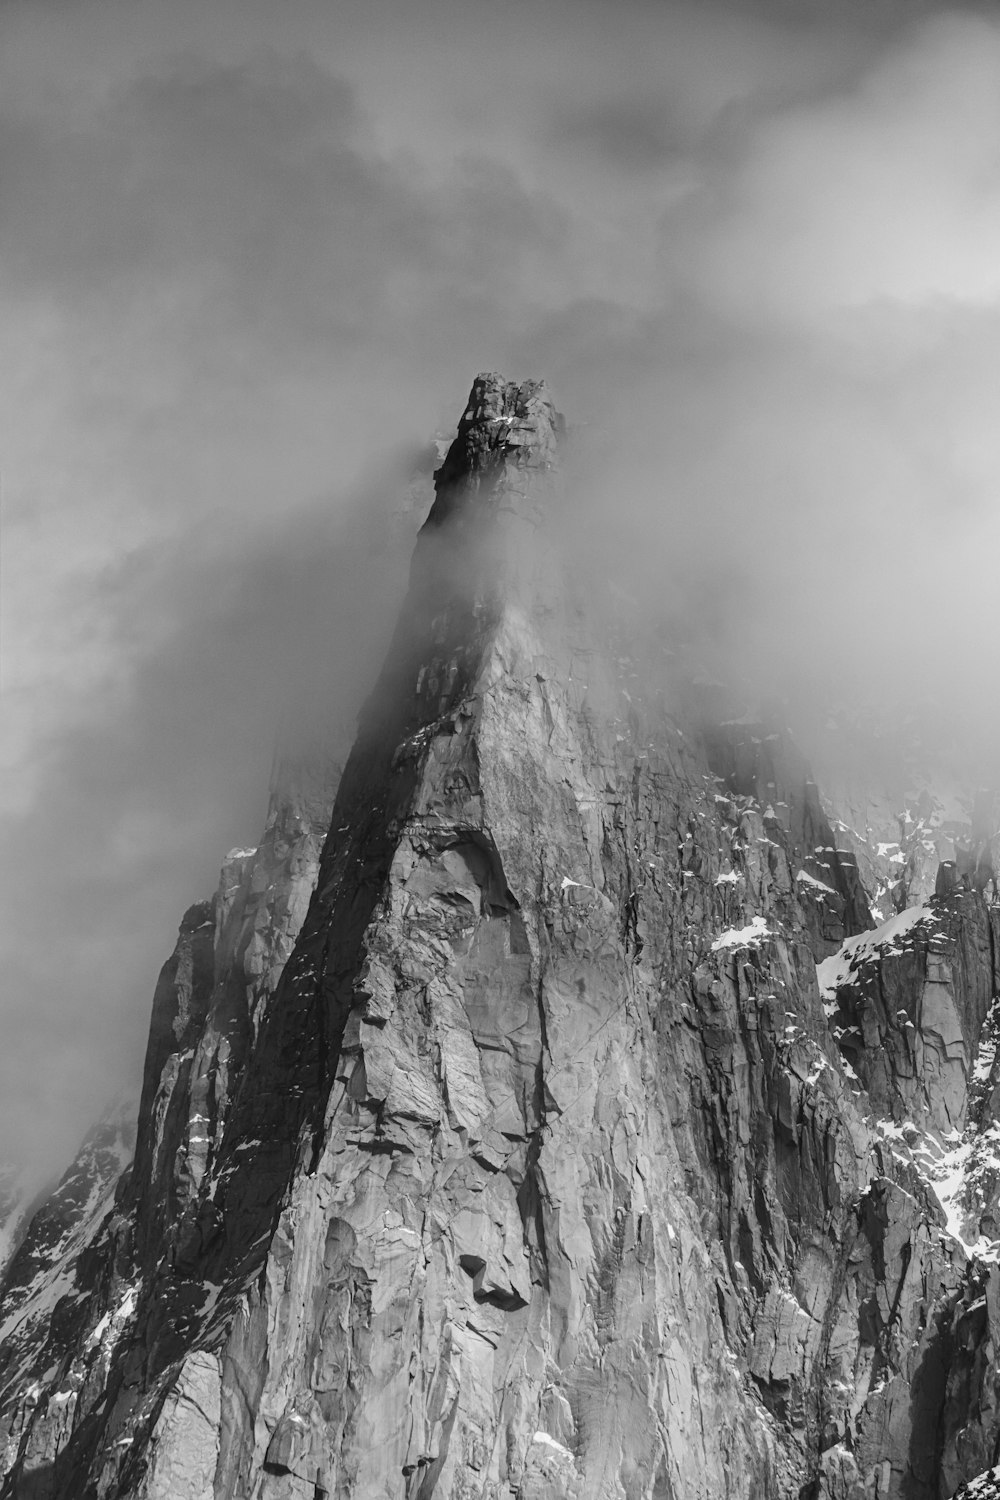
{"x": 69, "y": 1297}
{"x": 21, "y": 1189}
{"x": 40, "y": 1290}
{"x": 510, "y": 1147}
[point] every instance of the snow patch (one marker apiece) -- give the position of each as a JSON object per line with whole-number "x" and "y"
{"x": 550, "y": 1442}
{"x": 813, "y": 883}
{"x": 985, "y": 1486}
{"x": 949, "y": 1166}
{"x": 743, "y": 937}
{"x": 837, "y": 970}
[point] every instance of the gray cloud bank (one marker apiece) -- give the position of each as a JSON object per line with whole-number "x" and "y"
{"x": 250, "y": 261}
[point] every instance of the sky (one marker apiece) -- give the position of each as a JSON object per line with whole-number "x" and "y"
{"x": 251, "y": 258}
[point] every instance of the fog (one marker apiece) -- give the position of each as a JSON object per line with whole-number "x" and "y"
{"x": 251, "y": 259}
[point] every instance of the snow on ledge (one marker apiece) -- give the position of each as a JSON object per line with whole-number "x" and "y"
{"x": 804, "y": 878}
{"x": 854, "y": 951}
{"x": 985, "y": 1486}
{"x": 550, "y": 1442}
{"x": 742, "y": 937}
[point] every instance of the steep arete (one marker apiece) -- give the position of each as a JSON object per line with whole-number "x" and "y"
{"x": 535, "y": 1169}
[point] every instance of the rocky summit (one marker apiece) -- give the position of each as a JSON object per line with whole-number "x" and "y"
{"x": 569, "y": 1100}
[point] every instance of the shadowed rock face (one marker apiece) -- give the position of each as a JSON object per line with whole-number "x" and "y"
{"x": 911, "y": 1012}
{"x": 506, "y": 1149}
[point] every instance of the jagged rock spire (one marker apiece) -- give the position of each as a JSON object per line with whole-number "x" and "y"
{"x": 538, "y": 1171}
{"x": 506, "y": 421}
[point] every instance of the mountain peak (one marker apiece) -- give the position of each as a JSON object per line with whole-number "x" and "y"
{"x": 504, "y": 423}
{"x": 509, "y": 1146}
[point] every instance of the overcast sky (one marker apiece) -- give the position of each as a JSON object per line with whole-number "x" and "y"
{"x": 251, "y": 257}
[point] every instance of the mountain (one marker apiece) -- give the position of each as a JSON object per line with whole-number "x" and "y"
{"x": 41, "y": 1289}
{"x": 20, "y": 1188}
{"x": 68, "y": 1299}
{"x": 553, "y": 1105}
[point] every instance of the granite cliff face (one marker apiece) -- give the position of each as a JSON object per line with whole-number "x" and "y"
{"x": 516, "y": 1145}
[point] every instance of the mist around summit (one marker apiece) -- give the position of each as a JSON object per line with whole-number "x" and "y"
{"x": 244, "y": 265}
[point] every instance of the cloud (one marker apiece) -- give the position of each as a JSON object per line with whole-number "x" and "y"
{"x": 243, "y": 259}
{"x": 228, "y": 310}
{"x": 888, "y": 192}
{"x": 813, "y": 482}
{"x": 220, "y": 298}
{"x": 631, "y": 135}
{"x": 272, "y": 646}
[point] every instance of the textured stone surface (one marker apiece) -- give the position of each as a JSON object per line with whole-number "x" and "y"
{"x": 911, "y": 1011}
{"x": 44, "y": 1297}
{"x": 534, "y": 1168}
